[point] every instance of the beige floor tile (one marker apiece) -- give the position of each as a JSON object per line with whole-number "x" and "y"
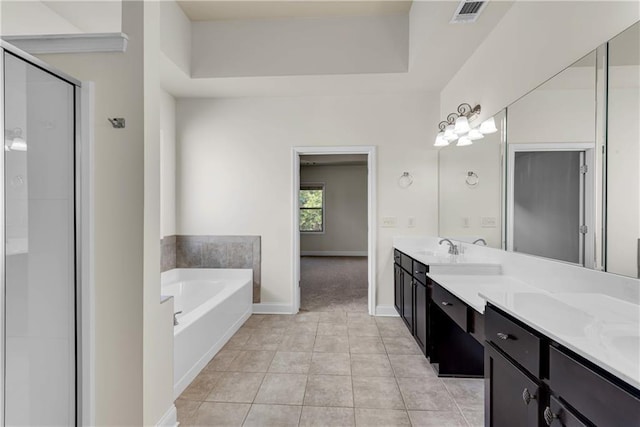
{"x": 329, "y": 390}
{"x": 285, "y": 362}
{"x": 411, "y": 366}
{"x": 273, "y": 415}
{"x": 301, "y": 328}
{"x": 437, "y": 419}
{"x": 332, "y": 329}
{"x": 254, "y": 320}
{"x": 330, "y": 364}
{"x": 425, "y": 394}
{"x": 186, "y": 408}
{"x": 370, "y": 365}
{"x": 366, "y": 345}
{"x": 313, "y": 416}
{"x": 238, "y": 342}
{"x": 387, "y": 330}
{"x": 307, "y": 316}
{"x": 237, "y": 387}
{"x": 401, "y": 345}
{"x": 381, "y": 417}
{"x": 376, "y": 392}
{"x": 360, "y": 330}
{"x": 331, "y": 344}
{"x": 467, "y": 392}
{"x": 339, "y": 317}
{"x": 474, "y": 418}
{"x": 298, "y": 342}
{"x": 282, "y": 389}
{"x": 264, "y": 341}
{"x": 201, "y": 386}
{"x": 221, "y": 414}
{"x": 222, "y": 360}
{"x": 252, "y": 361}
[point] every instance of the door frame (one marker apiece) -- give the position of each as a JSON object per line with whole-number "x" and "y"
{"x": 370, "y": 151}
{"x": 588, "y": 192}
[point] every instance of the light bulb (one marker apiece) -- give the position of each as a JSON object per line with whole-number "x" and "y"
{"x": 464, "y": 141}
{"x": 440, "y": 140}
{"x": 18, "y": 144}
{"x": 449, "y": 133}
{"x": 462, "y": 125}
{"x": 475, "y": 134}
{"x": 488, "y": 126}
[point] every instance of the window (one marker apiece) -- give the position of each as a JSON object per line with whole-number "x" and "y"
{"x": 312, "y": 208}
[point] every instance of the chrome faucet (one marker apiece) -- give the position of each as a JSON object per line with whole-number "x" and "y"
{"x": 175, "y": 319}
{"x": 453, "y": 249}
{"x": 484, "y": 242}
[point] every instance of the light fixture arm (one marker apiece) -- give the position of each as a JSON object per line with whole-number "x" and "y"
{"x": 463, "y": 109}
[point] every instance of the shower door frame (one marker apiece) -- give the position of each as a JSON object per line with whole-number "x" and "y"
{"x": 83, "y": 202}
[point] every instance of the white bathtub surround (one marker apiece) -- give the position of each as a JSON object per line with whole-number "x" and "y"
{"x": 214, "y": 304}
{"x": 594, "y": 314}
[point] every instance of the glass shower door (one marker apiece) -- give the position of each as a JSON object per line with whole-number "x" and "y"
{"x": 40, "y": 276}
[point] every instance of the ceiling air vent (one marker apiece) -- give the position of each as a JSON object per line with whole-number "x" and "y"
{"x": 468, "y": 11}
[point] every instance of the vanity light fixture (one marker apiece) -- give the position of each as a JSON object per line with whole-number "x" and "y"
{"x": 488, "y": 126}
{"x": 464, "y": 141}
{"x": 457, "y": 125}
{"x": 474, "y": 134}
{"x": 13, "y": 140}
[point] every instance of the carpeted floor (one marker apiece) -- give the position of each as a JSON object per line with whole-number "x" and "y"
{"x": 333, "y": 284}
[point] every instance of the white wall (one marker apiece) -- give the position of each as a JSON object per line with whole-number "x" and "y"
{"x": 234, "y": 170}
{"x": 346, "y": 218}
{"x": 300, "y": 46}
{"x": 175, "y": 44}
{"x": 458, "y": 201}
{"x": 520, "y": 53}
{"x": 167, "y": 164}
{"x": 119, "y": 214}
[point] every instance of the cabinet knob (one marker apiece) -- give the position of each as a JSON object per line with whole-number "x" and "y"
{"x": 549, "y": 416}
{"x": 527, "y": 396}
{"x": 446, "y": 303}
{"x": 503, "y": 336}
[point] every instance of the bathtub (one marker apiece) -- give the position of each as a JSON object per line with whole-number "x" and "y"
{"x": 214, "y": 304}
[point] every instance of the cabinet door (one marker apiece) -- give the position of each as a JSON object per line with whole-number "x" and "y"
{"x": 420, "y": 317}
{"x": 407, "y": 299}
{"x": 397, "y": 288}
{"x": 511, "y": 397}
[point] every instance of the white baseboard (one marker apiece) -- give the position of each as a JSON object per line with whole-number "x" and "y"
{"x": 334, "y": 253}
{"x": 170, "y": 418}
{"x": 184, "y": 382}
{"x": 386, "y": 310}
{"x": 266, "y": 308}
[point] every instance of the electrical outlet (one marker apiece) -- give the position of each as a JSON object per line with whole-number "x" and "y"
{"x": 488, "y": 222}
{"x": 389, "y": 221}
{"x": 411, "y": 222}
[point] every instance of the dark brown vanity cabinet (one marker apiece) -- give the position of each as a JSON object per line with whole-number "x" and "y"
{"x": 532, "y": 381}
{"x": 412, "y": 296}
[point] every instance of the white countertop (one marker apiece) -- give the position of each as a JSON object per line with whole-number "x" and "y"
{"x": 600, "y": 328}
{"x": 603, "y": 329}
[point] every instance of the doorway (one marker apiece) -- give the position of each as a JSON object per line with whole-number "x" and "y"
{"x": 549, "y": 211}
{"x": 335, "y": 248}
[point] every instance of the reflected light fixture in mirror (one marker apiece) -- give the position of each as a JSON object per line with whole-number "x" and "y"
{"x": 441, "y": 141}
{"x": 14, "y": 141}
{"x": 462, "y": 125}
{"x": 488, "y": 126}
{"x": 464, "y": 141}
{"x": 457, "y": 125}
{"x": 475, "y": 134}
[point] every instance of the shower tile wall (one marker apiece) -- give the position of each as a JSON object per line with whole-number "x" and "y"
{"x": 213, "y": 252}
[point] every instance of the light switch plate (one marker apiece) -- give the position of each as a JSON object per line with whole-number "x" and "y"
{"x": 465, "y": 222}
{"x": 389, "y": 221}
{"x": 488, "y": 222}
{"x": 411, "y": 222}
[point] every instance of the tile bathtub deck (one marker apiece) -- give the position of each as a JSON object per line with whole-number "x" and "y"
{"x": 333, "y": 368}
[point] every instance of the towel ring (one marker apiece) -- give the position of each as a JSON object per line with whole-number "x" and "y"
{"x": 472, "y": 179}
{"x": 405, "y": 180}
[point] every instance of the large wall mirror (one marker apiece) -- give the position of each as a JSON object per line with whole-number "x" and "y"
{"x": 562, "y": 177}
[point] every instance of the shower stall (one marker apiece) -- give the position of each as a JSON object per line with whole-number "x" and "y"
{"x": 40, "y": 270}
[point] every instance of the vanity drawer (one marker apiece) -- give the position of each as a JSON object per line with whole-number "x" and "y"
{"x": 519, "y": 342}
{"x": 455, "y": 308}
{"x": 420, "y": 272}
{"x": 396, "y": 256}
{"x": 595, "y": 397}
{"x": 406, "y": 262}
{"x": 561, "y": 416}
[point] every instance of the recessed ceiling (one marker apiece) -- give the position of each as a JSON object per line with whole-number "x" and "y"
{"x": 247, "y": 10}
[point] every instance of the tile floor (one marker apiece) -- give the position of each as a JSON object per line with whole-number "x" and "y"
{"x": 326, "y": 368}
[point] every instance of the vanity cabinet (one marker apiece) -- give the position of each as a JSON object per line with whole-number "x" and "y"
{"x": 530, "y": 380}
{"x": 422, "y": 297}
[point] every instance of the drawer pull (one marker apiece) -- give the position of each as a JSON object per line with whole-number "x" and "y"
{"x": 446, "y": 303}
{"x": 503, "y": 336}
{"x": 527, "y": 396}
{"x": 549, "y": 416}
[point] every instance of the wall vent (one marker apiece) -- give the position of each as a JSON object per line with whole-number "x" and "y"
{"x": 468, "y": 11}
